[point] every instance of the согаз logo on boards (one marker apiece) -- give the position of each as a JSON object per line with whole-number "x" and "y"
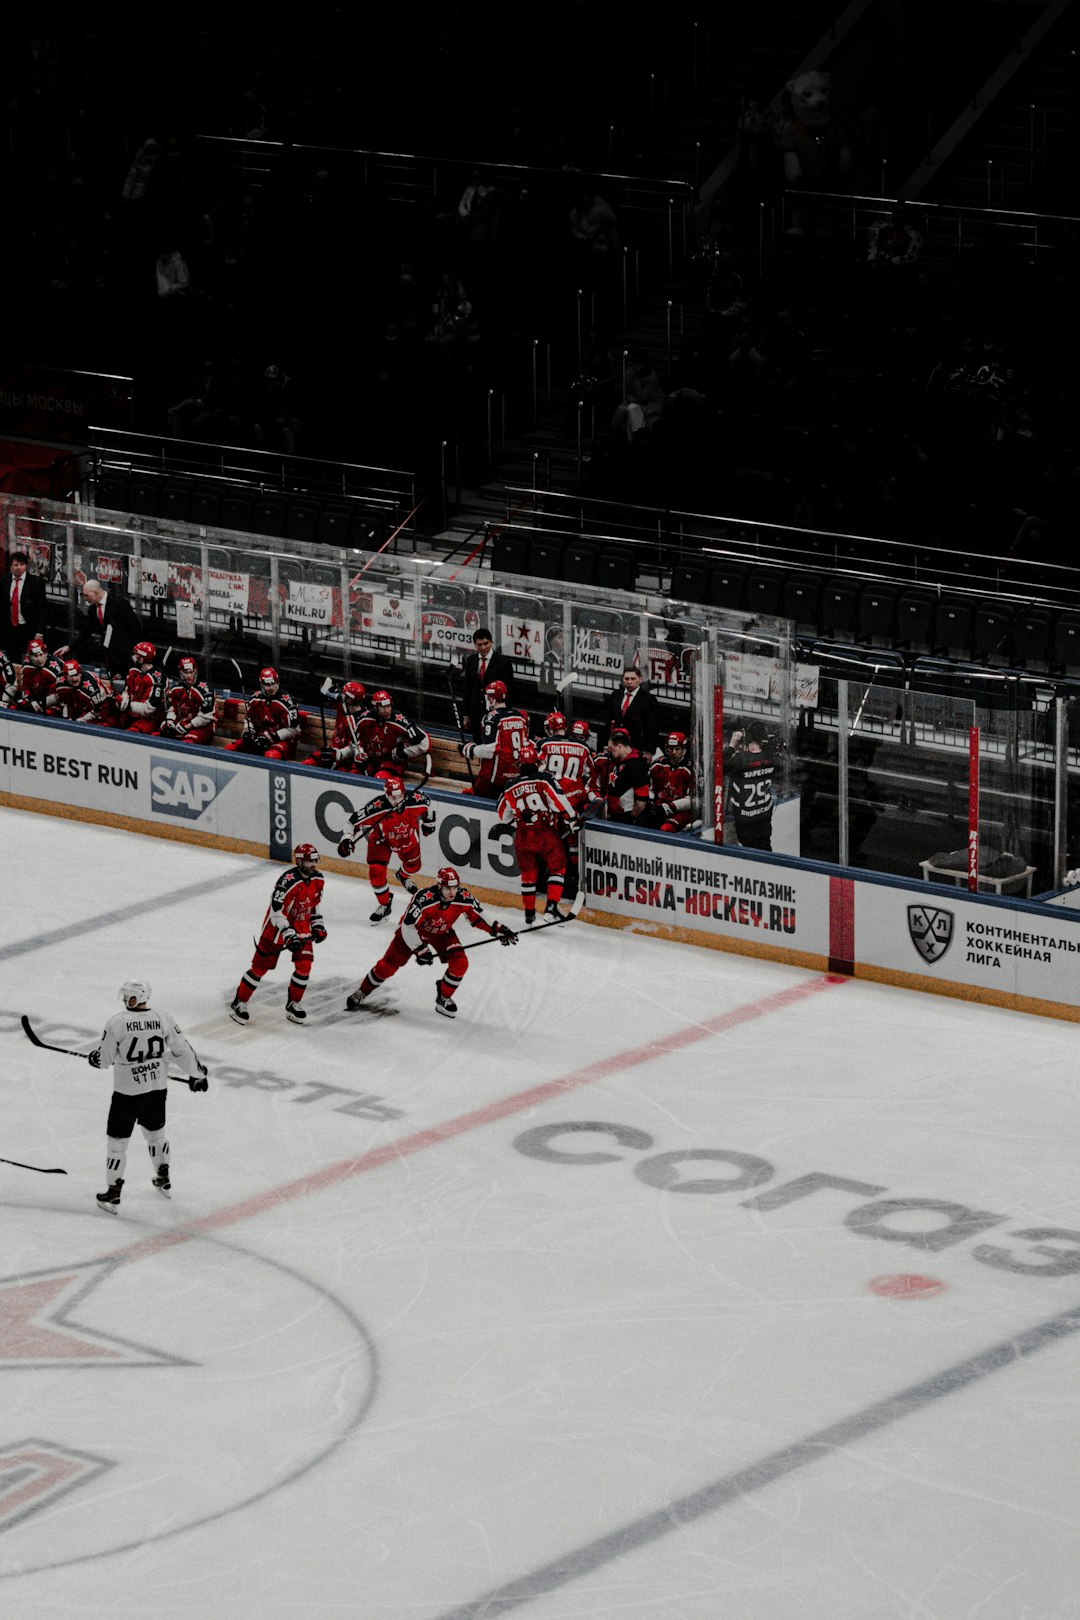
{"x": 931, "y": 930}
{"x": 186, "y": 790}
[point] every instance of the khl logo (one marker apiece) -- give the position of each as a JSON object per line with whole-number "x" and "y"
{"x": 186, "y": 790}
{"x": 931, "y": 931}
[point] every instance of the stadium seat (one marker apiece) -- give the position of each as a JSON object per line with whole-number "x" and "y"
{"x": 579, "y": 562}
{"x": 727, "y": 585}
{"x": 801, "y": 602}
{"x": 689, "y": 582}
{"x": 236, "y": 512}
{"x": 616, "y": 570}
{"x": 509, "y": 553}
{"x": 335, "y": 525}
{"x": 915, "y": 611}
{"x": 839, "y": 605}
{"x": 268, "y": 515}
{"x": 111, "y": 490}
{"x": 175, "y": 500}
{"x": 1031, "y": 638}
{"x": 952, "y": 627}
{"x": 144, "y": 495}
{"x": 764, "y": 591}
{"x": 875, "y": 621}
{"x": 545, "y": 556}
{"x": 1065, "y": 647}
{"x": 206, "y": 507}
{"x": 302, "y": 520}
{"x": 990, "y": 634}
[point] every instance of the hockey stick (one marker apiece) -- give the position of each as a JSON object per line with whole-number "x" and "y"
{"x": 29, "y": 1032}
{"x": 323, "y": 689}
{"x": 52, "y": 1170}
{"x": 458, "y": 722}
{"x": 527, "y": 933}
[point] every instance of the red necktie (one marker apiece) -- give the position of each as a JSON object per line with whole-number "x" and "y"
{"x": 100, "y": 614}
{"x": 626, "y": 703}
{"x": 483, "y": 670}
{"x": 15, "y": 604}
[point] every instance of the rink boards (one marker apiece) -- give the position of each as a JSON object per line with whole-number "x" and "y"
{"x": 1008, "y": 952}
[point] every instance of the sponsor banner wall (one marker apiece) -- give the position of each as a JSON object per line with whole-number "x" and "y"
{"x": 946, "y": 937}
{"x": 746, "y": 902}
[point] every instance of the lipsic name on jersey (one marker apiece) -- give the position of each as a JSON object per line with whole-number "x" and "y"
{"x": 83, "y": 770}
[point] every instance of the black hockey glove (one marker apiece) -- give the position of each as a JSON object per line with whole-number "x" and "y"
{"x": 346, "y": 847}
{"x": 318, "y": 933}
{"x": 326, "y": 758}
{"x": 168, "y": 729}
{"x": 505, "y": 935}
{"x": 94, "y": 1059}
{"x": 263, "y": 741}
{"x": 467, "y": 749}
{"x": 427, "y": 825}
{"x": 199, "y": 1082}
{"x": 425, "y": 956}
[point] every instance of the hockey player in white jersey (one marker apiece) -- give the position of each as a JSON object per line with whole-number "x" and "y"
{"x": 137, "y": 1045}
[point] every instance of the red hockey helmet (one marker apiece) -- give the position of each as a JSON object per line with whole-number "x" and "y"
{"x": 189, "y": 669}
{"x": 495, "y": 692}
{"x": 579, "y": 730}
{"x": 675, "y": 739}
{"x": 381, "y": 700}
{"x": 306, "y": 857}
{"x": 447, "y": 878}
{"x": 555, "y": 724}
{"x": 527, "y": 752}
{"x": 144, "y": 651}
{"x": 353, "y": 692}
{"x": 72, "y": 672}
{"x": 268, "y": 681}
{"x": 36, "y": 650}
{"x": 394, "y": 789}
{"x": 620, "y": 738}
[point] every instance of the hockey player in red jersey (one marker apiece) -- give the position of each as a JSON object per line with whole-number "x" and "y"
{"x": 502, "y": 733}
{"x": 39, "y": 678}
{"x": 340, "y": 754}
{"x": 9, "y": 686}
{"x": 137, "y": 702}
{"x": 293, "y": 923}
{"x": 80, "y": 695}
{"x": 539, "y": 815}
{"x": 273, "y": 721}
{"x": 567, "y": 760}
{"x": 670, "y": 786}
{"x": 387, "y": 742}
{"x": 189, "y": 705}
{"x": 392, "y": 823}
{"x": 427, "y": 931}
{"x": 628, "y": 778}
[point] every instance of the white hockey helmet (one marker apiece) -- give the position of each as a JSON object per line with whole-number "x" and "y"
{"x": 134, "y": 993}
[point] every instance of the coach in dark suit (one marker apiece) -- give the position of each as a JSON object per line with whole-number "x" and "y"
{"x": 112, "y": 621}
{"x": 637, "y": 711}
{"x": 481, "y": 667}
{"x": 22, "y": 607}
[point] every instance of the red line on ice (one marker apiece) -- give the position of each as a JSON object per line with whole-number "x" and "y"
{"x": 345, "y": 1169}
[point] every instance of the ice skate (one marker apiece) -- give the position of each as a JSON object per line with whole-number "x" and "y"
{"x": 382, "y": 912}
{"x": 552, "y": 911}
{"x": 161, "y": 1181}
{"x": 530, "y": 918}
{"x": 445, "y": 1005}
{"x": 406, "y": 882}
{"x": 294, "y": 1012}
{"x": 110, "y": 1199}
{"x": 238, "y": 1011}
{"x": 356, "y": 1000}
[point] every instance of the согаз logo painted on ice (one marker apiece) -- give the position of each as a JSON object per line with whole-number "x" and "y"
{"x": 186, "y": 790}
{"x": 931, "y": 930}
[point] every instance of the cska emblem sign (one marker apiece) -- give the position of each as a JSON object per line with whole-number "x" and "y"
{"x": 931, "y": 930}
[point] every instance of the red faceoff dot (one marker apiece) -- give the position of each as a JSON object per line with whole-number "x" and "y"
{"x": 906, "y": 1285}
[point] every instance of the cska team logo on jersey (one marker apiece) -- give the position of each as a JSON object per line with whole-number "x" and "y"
{"x": 931, "y": 930}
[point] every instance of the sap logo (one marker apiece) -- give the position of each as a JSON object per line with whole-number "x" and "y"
{"x": 186, "y": 790}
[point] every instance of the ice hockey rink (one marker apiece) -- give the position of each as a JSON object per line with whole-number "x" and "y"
{"x": 662, "y": 1284}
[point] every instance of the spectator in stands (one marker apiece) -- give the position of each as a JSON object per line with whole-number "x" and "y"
{"x": 593, "y": 223}
{"x": 141, "y": 173}
{"x": 276, "y": 423}
{"x": 642, "y": 404}
{"x": 634, "y": 710}
{"x": 451, "y": 310}
{"x": 172, "y": 274}
{"x": 892, "y": 242}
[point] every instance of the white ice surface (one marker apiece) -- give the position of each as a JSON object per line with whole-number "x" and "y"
{"x": 394, "y": 1366}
